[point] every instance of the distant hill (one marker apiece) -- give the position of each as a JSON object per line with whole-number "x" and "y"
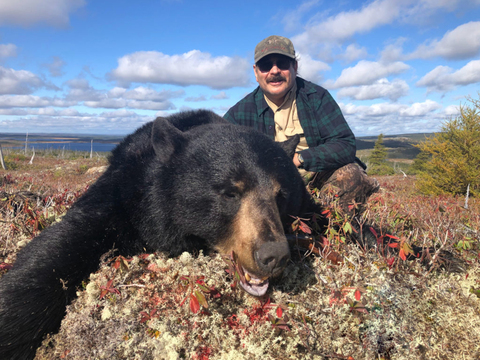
{"x": 398, "y": 146}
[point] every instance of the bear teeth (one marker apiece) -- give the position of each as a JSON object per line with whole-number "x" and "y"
{"x": 254, "y": 280}
{"x": 254, "y": 286}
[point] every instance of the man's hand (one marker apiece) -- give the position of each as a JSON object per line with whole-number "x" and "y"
{"x": 296, "y": 161}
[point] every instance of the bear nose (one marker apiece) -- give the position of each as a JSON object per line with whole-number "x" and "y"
{"x": 272, "y": 257}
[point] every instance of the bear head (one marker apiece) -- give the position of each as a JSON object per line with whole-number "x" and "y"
{"x": 231, "y": 189}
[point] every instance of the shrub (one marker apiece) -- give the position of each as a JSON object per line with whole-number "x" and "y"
{"x": 454, "y": 155}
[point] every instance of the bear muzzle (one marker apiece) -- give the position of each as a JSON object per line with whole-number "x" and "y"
{"x": 271, "y": 259}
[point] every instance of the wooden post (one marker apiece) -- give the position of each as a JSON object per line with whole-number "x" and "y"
{"x": 31, "y": 160}
{"x": 1, "y": 158}
{"x": 466, "y": 197}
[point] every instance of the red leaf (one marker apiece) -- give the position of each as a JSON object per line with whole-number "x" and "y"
{"x": 392, "y": 237}
{"x": 279, "y": 312}
{"x": 358, "y": 295}
{"x": 326, "y": 213}
{"x": 402, "y": 255}
{"x": 194, "y": 304}
{"x": 393, "y": 245}
{"x": 304, "y": 227}
{"x": 390, "y": 261}
{"x": 373, "y": 232}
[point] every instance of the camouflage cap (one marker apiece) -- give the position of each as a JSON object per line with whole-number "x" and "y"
{"x": 274, "y": 45}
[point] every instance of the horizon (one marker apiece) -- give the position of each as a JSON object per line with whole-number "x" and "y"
{"x": 106, "y": 68}
{"x": 54, "y": 134}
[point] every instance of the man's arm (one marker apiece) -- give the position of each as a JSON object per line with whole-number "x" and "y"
{"x": 328, "y": 130}
{"x": 229, "y": 116}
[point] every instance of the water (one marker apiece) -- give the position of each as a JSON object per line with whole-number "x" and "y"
{"x": 75, "y": 146}
{"x": 61, "y": 142}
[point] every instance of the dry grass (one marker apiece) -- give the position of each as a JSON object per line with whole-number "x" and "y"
{"x": 371, "y": 306}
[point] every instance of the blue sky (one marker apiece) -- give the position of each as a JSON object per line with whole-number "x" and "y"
{"x": 107, "y": 67}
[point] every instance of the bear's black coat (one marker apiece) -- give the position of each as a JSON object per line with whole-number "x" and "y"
{"x": 183, "y": 183}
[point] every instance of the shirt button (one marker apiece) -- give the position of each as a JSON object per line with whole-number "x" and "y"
{"x": 270, "y": 127}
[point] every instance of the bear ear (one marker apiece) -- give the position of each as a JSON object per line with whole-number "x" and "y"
{"x": 290, "y": 145}
{"x": 166, "y": 138}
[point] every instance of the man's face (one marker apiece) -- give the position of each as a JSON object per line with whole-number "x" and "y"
{"x": 276, "y": 75}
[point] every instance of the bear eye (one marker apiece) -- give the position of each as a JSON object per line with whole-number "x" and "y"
{"x": 282, "y": 194}
{"x": 231, "y": 193}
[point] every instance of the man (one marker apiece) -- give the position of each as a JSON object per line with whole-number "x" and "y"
{"x": 284, "y": 105}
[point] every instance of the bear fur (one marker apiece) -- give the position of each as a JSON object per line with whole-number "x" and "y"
{"x": 184, "y": 183}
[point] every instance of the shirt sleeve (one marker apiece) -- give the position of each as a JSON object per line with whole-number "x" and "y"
{"x": 332, "y": 139}
{"x": 229, "y": 116}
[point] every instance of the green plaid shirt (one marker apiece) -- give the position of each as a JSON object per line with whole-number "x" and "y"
{"x": 331, "y": 142}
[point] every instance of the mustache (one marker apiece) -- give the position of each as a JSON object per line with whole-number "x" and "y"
{"x": 276, "y": 78}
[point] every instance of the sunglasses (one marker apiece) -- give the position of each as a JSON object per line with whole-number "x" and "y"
{"x": 267, "y": 64}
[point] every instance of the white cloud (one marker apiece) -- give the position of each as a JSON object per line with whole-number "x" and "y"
{"x": 380, "y": 89}
{"x": 375, "y": 110}
{"x": 118, "y": 113}
{"x": 320, "y": 34}
{"x": 294, "y": 18}
{"x": 80, "y": 90}
{"x": 385, "y": 109}
{"x": 310, "y": 69}
{"x": 420, "y": 109}
{"x": 366, "y": 73}
{"x": 56, "y": 66}
{"x": 144, "y": 93}
{"x": 18, "y": 81}
{"x": 31, "y": 101}
{"x": 132, "y": 104}
{"x": 31, "y": 12}
{"x": 191, "y": 68}
{"x": 118, "y": 97}
{"x": 393, "y": 51}
{"x": 461, "y": 43}
{"x": 196, "y": 98}
{"x": 7, "y": 50}
{"x": 40, "y": 111}
{"x": 444, "y": 78}
{"x": 390, "y": 118}
{"x": 452, "y": 111}
{"x": 220, "y": 96}
{"x": 354, "y": 52}
{"x": 346, "y": 24}
{"x": 106, "y": 123}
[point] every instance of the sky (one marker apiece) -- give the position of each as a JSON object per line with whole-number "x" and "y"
{"x": 107, "y": 67}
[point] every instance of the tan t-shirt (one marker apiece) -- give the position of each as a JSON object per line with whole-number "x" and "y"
{"x": 286, "y": 119}
{"x": 287, "y": 123}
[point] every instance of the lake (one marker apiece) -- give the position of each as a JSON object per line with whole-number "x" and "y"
{"x": 101, "y": 143}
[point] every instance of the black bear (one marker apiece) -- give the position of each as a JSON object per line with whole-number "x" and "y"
{"x": 188, "y": 182}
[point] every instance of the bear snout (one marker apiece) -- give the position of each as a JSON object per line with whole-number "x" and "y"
{"x": 272, "y": 257}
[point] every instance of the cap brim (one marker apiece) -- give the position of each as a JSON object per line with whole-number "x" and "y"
{"x": 274, "y": 52}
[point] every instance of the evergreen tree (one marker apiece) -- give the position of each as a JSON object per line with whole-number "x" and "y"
{"x": 455, "y": 155}
{"x": 419, "y": 163}
{"x": 378, "y": 164}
